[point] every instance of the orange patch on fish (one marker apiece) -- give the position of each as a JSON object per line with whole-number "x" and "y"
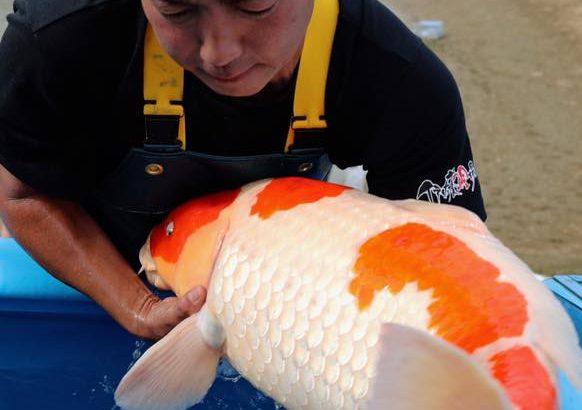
{"x": 187, "y": 219}
{"x": 525, "y": 380}
{"x": 471, "y": 308}
{"x": 286, "y": 193}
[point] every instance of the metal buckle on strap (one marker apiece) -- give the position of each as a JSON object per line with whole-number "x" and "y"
{"x": 162, "y": 127}
{"x": 162, "y": 130}
{"x": 308, "y": 140}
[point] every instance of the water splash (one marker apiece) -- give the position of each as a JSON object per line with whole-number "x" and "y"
{"x": 107, "y": 385}
{"x": 136, "y": 354}
{"x": 227, "y": 373}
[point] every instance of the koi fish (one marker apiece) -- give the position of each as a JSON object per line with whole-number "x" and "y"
{"x": 325, "y": 297}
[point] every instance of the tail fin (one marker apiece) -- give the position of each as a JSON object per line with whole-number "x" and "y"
{"x": 173, "y": 374}
{"x": 419, "y": 371}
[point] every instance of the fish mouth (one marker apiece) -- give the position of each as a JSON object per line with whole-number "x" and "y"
{"x": 147, "y": 261}
{"x": 148, "y": 265}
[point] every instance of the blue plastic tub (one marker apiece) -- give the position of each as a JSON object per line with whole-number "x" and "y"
{"x": 60, "y": 351}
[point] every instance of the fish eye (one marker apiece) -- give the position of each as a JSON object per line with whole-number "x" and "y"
{"x": 170, "y": 229}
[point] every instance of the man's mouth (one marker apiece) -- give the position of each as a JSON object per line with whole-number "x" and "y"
{"x": 229, "y": 77}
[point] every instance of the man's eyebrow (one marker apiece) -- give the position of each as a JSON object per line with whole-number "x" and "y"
{"x": 176, "y": 1}
{"x": 187, "y": 2}
{"x": 191, "y": 2}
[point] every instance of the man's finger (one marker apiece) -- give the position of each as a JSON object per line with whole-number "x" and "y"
{"x": 192, "y": 301}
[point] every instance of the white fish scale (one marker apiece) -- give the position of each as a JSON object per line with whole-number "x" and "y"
{"x": 345, "y": 353}
{"x": 317, "y": 303}
{"x": 265, "y": 350}
{"x": 284, "y": 386}
{"x": 331, "y": 342}
{"x": 360, "y": 387}
{"x": 280, "y": 277}
{"x": 275, "y": 334}
{"x": 316, "y": 362}
{"x": 227, "y": 316}
{"x": 348, "y": 316}
{"x": 252, "y": 336}
{"x": 229, "y": 262}
{"x": 331, "y": 312}
{"x": 301, "y": 355}
{"x": 287, "y": 345}
{"x": 331, "y": 372}
{"x": 261, "y": 322}
{"x": 346, "y": 379}
{"x": 238, "y": 300}
{"x": 300, "y": 395}
{"x": 301, "y": 324}
{"x": 294, "y": 266}
{"x": 263, "y": 296}
{"x": 267, "y": 269}
{"x": 361, "y": 326}
{"x": 360, "y": 357}
{"x": 336, "y": 396}
{"x": 241, "y": 273}
{"x": 275, "y": 307}
{"x": 349, "y": 402}
{"x": 228, "y": 288}
{"x": 315, "y": 334}
{"x": 240, "y": 329}
{"x": 291, "y": 372}
{"x": 251, "y": 316}
{"x": 307, "y": 379}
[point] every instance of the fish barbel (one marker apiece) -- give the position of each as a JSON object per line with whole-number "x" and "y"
{"x": 324, "y": 297}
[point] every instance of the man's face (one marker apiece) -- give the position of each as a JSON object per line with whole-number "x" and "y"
{"x": 236, "y": 47}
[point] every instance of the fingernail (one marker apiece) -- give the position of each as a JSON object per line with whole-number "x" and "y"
{"x": 194, "y": 295}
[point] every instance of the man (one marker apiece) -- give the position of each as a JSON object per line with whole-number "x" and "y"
{"x": 74, "y": 142}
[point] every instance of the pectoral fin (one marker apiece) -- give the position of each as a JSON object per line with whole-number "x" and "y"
{"x": 174, "y": 374}
{"x": 419, "y": 371}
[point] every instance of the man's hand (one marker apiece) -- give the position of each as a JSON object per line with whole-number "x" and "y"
{"x": 158, "y": 316}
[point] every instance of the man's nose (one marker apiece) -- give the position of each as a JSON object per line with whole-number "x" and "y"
{"x": 220, "y": 46}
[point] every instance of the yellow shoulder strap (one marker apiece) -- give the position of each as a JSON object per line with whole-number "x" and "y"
{"x": 163, "y": 83}
{"x": 309, "y": 104}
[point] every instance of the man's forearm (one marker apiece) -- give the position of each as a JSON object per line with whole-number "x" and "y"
{"x": 65, "y": 240}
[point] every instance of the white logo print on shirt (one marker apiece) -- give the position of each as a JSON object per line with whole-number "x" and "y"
{"x": 457, "y": 180}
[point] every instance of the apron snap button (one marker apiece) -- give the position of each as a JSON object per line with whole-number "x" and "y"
{"x": 154, "y": 169}
{"x": 305, "y": 167}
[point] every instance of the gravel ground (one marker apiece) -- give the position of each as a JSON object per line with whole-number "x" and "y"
{"x": 5, "y": 8}
{"x": 518, "y": 64}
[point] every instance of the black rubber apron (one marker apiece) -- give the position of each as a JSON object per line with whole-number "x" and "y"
{"x": 155, "y": 178}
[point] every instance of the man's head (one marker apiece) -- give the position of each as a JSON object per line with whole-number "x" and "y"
{"x": 236, "y": 47}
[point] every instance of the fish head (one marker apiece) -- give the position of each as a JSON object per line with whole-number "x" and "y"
{"x": 182, "y": 249}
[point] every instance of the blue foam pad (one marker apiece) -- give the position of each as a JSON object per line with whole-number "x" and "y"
{"x": 22, "y": 278}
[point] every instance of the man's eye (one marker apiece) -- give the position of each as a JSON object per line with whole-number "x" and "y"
{"x": 172, "y": 12}
{"x": 257, "y": 8}
{"x": 171, "y": 15}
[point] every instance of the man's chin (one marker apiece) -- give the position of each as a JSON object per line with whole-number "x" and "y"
{"x": 233, "y": 91}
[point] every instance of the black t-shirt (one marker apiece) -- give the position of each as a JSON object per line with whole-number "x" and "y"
{"x": 71, "y": 103}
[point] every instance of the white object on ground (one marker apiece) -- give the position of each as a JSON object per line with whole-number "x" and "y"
{"x": 429, "y": 29}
